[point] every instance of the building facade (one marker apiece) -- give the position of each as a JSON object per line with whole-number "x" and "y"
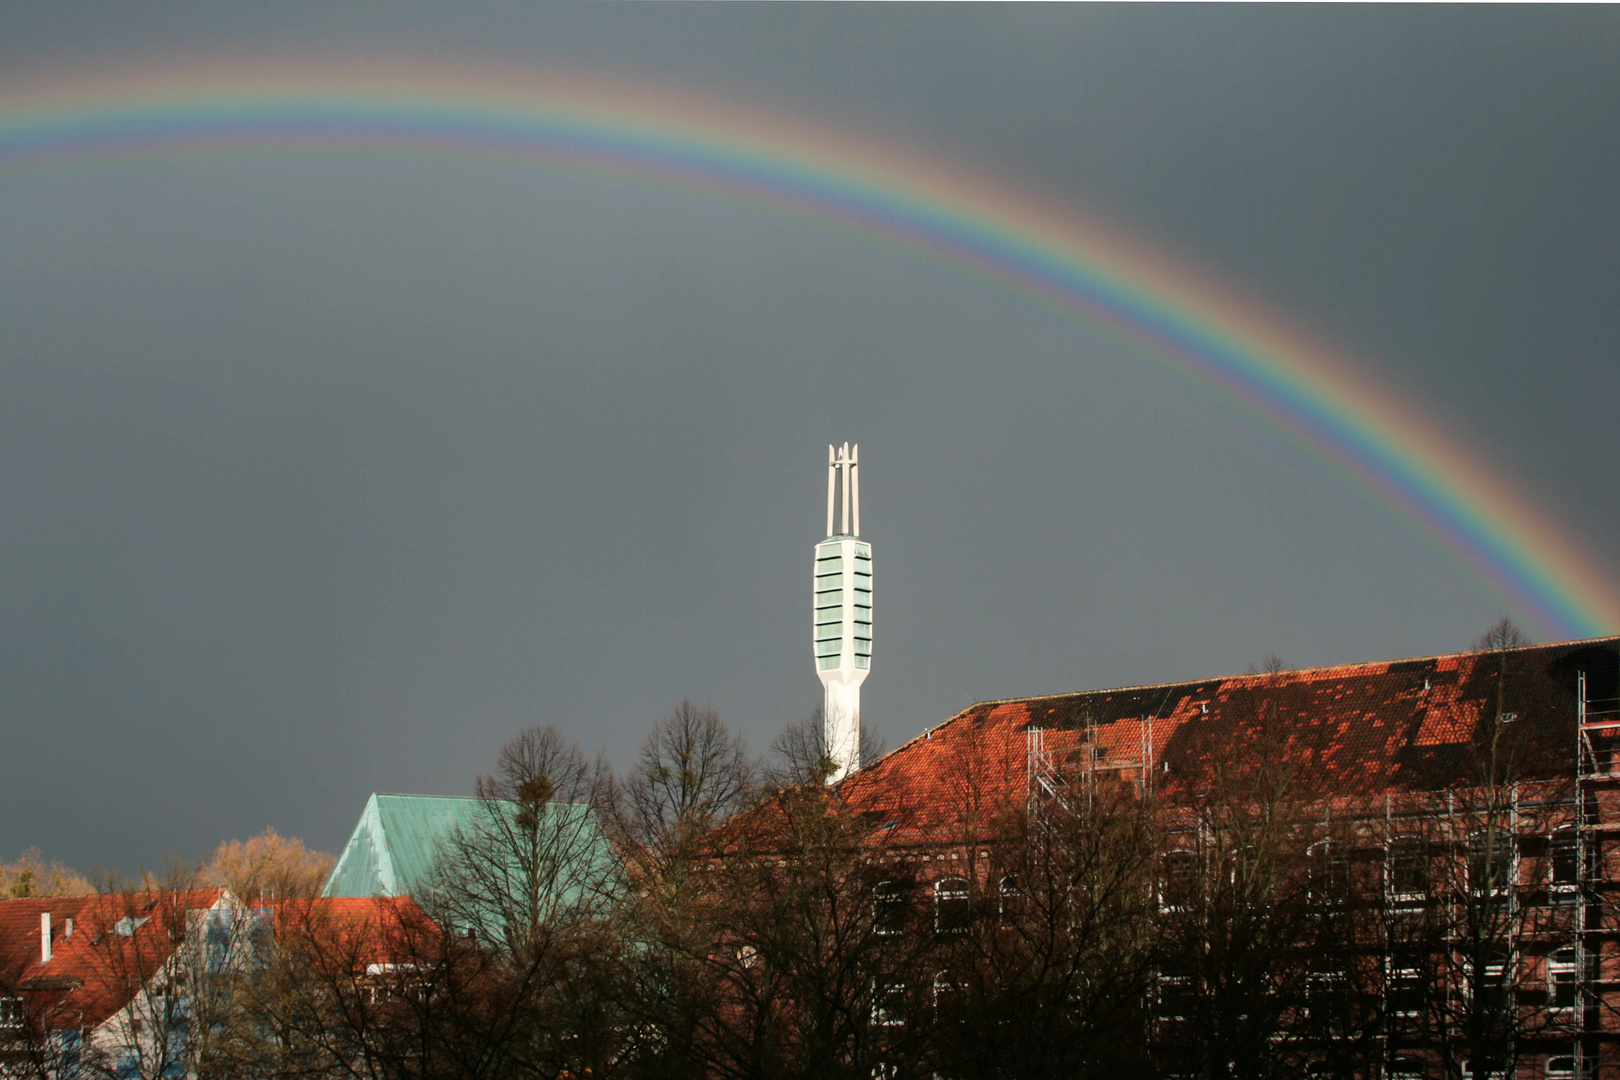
{"x": 1422, "y": 851}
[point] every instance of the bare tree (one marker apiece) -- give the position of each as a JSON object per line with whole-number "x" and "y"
{"x": 799, "y": 754}
{"x": 1236, "y": 904}
{"x": 1503, "y": 634}
{"x": 813, "y": 950}
{"x": 534, "y": 858}
{"x": 531, "y": 883}
{"x": 374, "y": 990}
{"x": 1481, "y": 926}
{"x": 692, "y": 774}
{"x": 1047, "y": 976}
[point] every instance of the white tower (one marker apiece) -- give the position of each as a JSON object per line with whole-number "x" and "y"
{"x": 843, "y": 609}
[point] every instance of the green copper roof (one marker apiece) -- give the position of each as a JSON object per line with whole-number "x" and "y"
{"x": 399, "y": 838}
{"x": 396, "y": 841}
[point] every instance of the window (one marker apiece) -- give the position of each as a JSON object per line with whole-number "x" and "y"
{"x": 888, "y": 908}
{"x": 1491, "y": 981}
{"x": 1327, "y": 994}
{"x": 218, "y": 940}
{"x": 1406, "y": 987}
{"x": 1330, "y": 872}
{"x": 948, "y": 993}
{"x": 1408, "y": 868}
{"x": 1244, "y": 870}
{"x": 1562, "y": 973}
{"x": 1012, "y": 900}
{"x": 1178, "y": 880}
{"x": 1407, "y": 1068}
{"x": 1177, "y": 993}
{"x": 952, "y": 907}
{"x": 11, "y": 1013}
{"x": 1490, "y": 860}
{"x": 1563, "y": 867}
{"x": 68, "y": 1041}
{"x": 1487, "y": 1069}
{"x": 889, "y": 1005}
{"x": 1564, "y": 1068}
{"x": 174, "y": 1056}
{"x": 390, "y": 982}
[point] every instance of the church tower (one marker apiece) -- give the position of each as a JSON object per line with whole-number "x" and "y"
{"x": 843, "y": 613}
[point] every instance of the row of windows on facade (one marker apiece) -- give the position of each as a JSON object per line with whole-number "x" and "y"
{"x": 1554, "y": 1067}
{"x": 953, "y": 906}
{"x": 1408, "y": 982}
{"x": 1407, "y": 876}
{"x": 1407, "y": 978}
{"x": 890, "y": 1001}
{"x": 1408, "y": 868}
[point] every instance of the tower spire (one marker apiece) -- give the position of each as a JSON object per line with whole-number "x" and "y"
{"x": 843, "y": 476}
{"x": 843, "y": 613}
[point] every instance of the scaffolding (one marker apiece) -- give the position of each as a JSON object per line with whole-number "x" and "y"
{"x": 1051, "y": 762}
{"x": 1597, "y": 738}
{"x": 1069, "y": 760}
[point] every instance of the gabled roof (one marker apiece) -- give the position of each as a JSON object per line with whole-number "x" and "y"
{"x": 393, "y": 847}
{"x": 399, "y": 837}
{"x": 1356, "y": 729}
{"x": 118, "y": 942}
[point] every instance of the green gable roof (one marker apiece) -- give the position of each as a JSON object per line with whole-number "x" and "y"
{"x": 392, "y": 850}
{"x": 398, "y": 839}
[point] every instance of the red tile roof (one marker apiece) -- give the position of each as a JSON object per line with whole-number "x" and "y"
{"x": 1351, "y": 730}
{"x": 96, "y": 971}
{"x": 363, "y": 930}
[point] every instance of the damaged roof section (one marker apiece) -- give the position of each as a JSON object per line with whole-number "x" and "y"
{"x": 1357, "y": 729}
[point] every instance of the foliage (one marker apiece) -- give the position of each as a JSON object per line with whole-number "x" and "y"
{"x": 268, "y": 866}
{"x": 32, "y": 875}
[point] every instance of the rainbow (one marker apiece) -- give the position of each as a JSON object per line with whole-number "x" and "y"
{"x": 789, "y": 164}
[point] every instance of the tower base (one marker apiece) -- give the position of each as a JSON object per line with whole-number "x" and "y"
{"x": 841, "y": 723}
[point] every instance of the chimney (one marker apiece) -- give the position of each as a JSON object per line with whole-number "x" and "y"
{"x": 67, "y": 928}
{"x": 44, "y": 937}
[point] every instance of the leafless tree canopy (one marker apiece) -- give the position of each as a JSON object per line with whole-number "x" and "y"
{"x": 799, "y": 754}
{"x": 536, "y": 767}
{"x": 692, "y": 773}
{"x": 1503, "y": 634}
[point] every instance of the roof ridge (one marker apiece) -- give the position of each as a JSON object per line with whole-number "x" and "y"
{"x": 414, "y": 795}
{"x": 1262, "y": 674}
{"x": 471, "y": 798}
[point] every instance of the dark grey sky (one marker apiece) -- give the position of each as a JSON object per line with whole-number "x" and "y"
{"x": 323, "y": 473}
